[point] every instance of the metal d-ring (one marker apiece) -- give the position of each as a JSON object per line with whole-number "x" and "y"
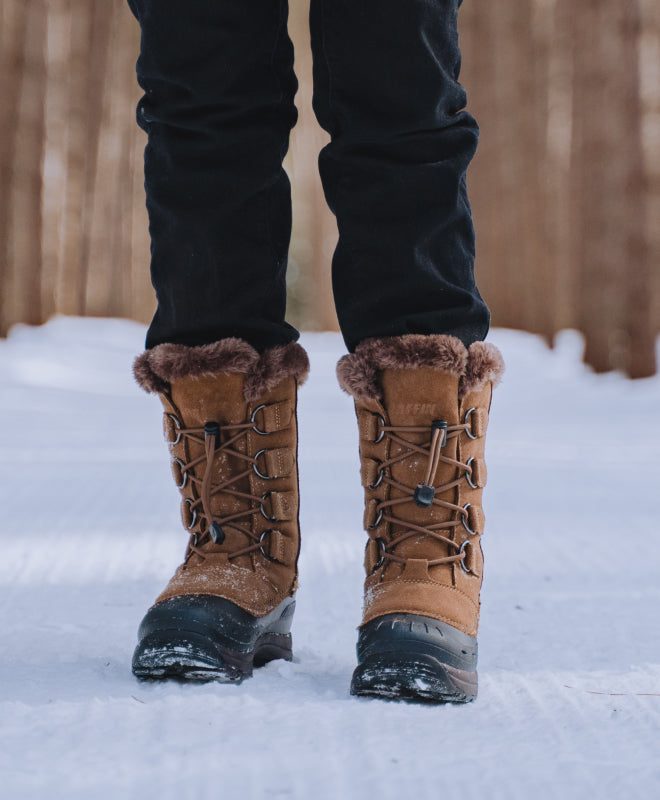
{"x": 379, "y": 479}
{"x": 381, "y": 560}
{"x": 378, "y": 519}
{"x": 193, "y": 512}
{"x": 177, "y": 425}
{"x": 382, "y": 429}
{"x": 466, "y": 516}
{"x": 466, "y": 421}
{"x": 255, "y": 467}
{"x": 462, "y": 552}
{"x": 254, "y": 422}
{"x": 261, "y": 542}
{"x": 468, "y": 470}
{"x": 265, "y": 497}
{"x": 184, "y": 473}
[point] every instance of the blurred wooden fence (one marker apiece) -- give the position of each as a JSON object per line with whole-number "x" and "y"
{"x": 565, "y": 187}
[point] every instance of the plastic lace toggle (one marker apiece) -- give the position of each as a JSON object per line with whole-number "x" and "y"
{"x": 212, "y": 429}
{"x": 217, "y": 534}
{"x": 440, "y": 425}
{"x": 424, "y": 495}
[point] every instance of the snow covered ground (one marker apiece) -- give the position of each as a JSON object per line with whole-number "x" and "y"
{"x": 569, "y": 701}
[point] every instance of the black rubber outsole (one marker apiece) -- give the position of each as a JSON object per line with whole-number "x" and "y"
{"x": 198, "y": 638}
{"x": 415, "y": 659}
{"x": 161, "y": 659}
{"x": 413, "y": 681}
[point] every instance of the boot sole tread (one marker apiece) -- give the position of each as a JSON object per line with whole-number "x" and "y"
{"x": 184, "y": 661}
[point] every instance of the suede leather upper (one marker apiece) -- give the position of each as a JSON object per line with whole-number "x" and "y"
{"x": 416, "y": 397}
{"x": 259, "y": 580}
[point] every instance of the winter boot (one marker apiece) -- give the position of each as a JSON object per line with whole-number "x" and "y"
{"x": 422, "y": 405}
{"x": 230, "y": 421}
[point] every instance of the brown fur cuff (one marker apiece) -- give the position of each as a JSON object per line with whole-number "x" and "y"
{"x": 358, "y": 372}
{"x": 484, "y": 363}
{"x": 155, "y": 369}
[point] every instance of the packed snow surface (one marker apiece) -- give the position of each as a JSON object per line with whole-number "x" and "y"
{"x": 569, "y": 698}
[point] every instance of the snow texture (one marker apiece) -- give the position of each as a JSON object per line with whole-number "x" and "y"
{"x": 569, "y": 702}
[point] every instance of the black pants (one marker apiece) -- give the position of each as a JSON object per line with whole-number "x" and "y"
{"x": 218, "y": 108}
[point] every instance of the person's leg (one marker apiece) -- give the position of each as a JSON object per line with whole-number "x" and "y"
{"x": 386, "y": 89}
{"x": 218, "y": 107}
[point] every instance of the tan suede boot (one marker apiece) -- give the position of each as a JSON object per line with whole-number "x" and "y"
{"x": 230, "y": 420}
{"x": 422, "y": 405}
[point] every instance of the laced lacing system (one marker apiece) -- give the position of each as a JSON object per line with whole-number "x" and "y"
{"x": 216, "y": 440}
{"x": 424, "y": 494}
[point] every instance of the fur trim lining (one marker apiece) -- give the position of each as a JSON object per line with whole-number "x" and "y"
{"x": 358, "y": 372}
{"x": 484, "y": 363}
{"x": 155, "y": 369}
{"x": 274, "y": 366}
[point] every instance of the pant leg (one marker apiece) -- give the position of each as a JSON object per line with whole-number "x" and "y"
{"x": 386, "y": 89}
{"x": 218, "y": 108}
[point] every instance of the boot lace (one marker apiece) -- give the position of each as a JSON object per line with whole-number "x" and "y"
{"x": 217, "y": 440}
{"x": 425, "y": 494}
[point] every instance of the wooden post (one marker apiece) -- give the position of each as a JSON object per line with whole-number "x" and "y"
{"x": 636, "y": 197}
{"x": 23, "y": 297}
{"x": 13, "y": 32}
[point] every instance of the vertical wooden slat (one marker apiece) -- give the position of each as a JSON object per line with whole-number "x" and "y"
{"x": 562, "y": 270}
{"x": 638, "y": 323}
{"x": 521, "y": 160}
{"x": 56, "y": 122}
{"x": 107, "y": 281}
{"x": 650, "y": 101}
{"x": 542, "y": 223}
{"x": 98, "y": 78}
{"x": 13, "y": 20}
{"x": 24, "y": 239}
{"x": 70, "y": 289}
